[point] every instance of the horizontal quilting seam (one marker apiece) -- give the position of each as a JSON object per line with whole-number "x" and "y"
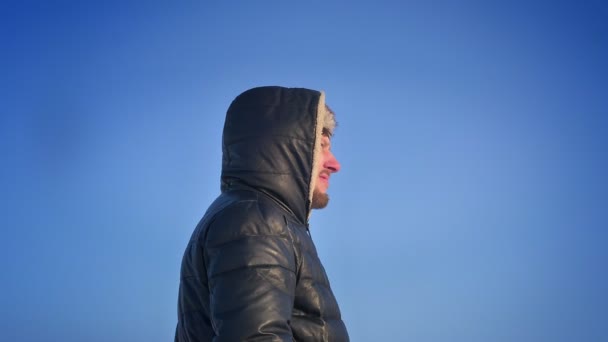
{"x": 250, "y": 236}
{"x": 240, "y": 140}
{"x": 250, "y": 267}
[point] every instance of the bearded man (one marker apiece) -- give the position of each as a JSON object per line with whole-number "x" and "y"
{"x": 251, "y": 270}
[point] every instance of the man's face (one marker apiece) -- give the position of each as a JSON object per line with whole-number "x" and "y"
{"x": 329, "y": 165}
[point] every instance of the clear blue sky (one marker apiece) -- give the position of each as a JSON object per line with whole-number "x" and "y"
{"x": 472, "y": 202}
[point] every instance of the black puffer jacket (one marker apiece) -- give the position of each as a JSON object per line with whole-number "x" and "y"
{"x": 251, "y": 271}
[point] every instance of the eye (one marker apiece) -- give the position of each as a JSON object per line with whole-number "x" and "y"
{"x": 325, "y": 143}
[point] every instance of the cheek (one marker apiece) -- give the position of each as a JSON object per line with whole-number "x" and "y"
{"x": 325, "y": 157}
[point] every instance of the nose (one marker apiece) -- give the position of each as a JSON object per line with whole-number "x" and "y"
{"x": 332, "y": 163}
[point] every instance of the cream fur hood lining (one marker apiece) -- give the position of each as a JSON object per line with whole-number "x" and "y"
{"x": 325, "y": 120}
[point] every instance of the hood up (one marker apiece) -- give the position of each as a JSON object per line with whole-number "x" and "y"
{"x": 270, "y": 140}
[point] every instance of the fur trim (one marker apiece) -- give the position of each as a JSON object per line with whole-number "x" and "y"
{"x": 329, "y": 121}
{"x": 325, "y": 120}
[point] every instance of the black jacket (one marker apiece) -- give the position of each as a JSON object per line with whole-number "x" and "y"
{"x": 251, "y": 270}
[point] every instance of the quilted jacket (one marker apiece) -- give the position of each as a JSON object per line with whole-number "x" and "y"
{"x": 250, "y": 271}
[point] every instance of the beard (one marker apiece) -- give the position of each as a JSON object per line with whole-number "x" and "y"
{"x": 319, "y": 200}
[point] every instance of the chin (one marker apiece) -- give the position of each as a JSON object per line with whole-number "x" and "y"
{"x": 319, "y": 199}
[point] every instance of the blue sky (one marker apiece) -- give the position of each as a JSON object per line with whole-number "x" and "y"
{"x": 471, "y": 204}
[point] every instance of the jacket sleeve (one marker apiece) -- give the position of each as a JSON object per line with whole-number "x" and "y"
{"x": 251, "y": 270}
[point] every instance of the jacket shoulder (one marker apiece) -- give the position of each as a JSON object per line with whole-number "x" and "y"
{"x": 246, "y": 235}
{"x": 239, "y": 214}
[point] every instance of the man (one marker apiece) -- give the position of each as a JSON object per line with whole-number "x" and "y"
{"x": 251, "y": 271}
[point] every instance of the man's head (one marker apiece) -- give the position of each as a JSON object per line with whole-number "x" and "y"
{"x": 276, "y": 141}
{"x": 328, "y": 164}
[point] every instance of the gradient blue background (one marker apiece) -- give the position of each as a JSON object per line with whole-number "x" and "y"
{"x": 472, "y": 202}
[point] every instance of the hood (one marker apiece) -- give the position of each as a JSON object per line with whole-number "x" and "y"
{"x": 270, "y": 140}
